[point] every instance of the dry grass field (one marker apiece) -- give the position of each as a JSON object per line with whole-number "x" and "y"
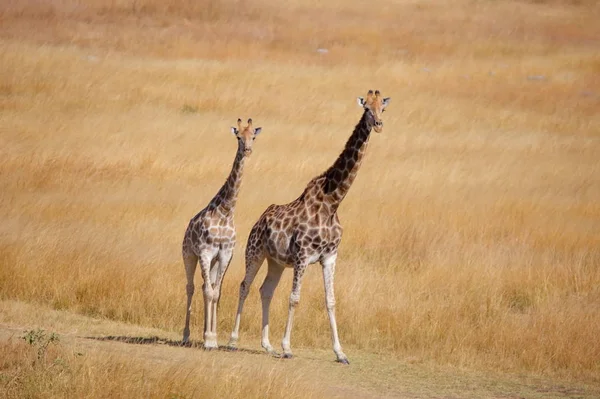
{"x": 472, "y": 233}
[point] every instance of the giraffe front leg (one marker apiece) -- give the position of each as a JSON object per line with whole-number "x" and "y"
{"x": 224, "y": 259}
{"x": 266, "y": 294}
{"x": 328, "y": 274}
{"x": 294, "y": 300}
{"x": 207, "y": 290}
{"x": 209, "y": 339}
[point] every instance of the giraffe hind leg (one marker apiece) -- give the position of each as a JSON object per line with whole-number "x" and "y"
{"x": 299, "y": 269}
{"x": 266, "y": 294}
{"x": 253, "y": 263}
{"x": 190, "y": 261}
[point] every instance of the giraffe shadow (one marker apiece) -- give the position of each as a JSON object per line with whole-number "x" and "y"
{"x": 155, "y": 340}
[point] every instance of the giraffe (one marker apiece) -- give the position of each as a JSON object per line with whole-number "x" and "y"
{"x": 210, "y": 239}
{"x": 307, "y": 230}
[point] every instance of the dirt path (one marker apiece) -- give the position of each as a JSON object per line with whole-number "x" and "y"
{"x": 368, "y": 376}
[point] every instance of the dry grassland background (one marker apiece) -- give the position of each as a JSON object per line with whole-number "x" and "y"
{"x": 472, "y": 233}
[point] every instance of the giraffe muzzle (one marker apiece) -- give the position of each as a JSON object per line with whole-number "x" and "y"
{"x": 378, "y": 126}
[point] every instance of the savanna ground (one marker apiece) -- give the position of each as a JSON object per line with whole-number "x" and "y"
{"x": 470, "y": 264}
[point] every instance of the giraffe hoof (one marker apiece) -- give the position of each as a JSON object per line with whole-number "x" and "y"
{"x": 287, "y": 356}
{"x": 343, "y": 361}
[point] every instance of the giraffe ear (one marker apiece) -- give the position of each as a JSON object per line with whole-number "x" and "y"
{"x": 385, "y": 102}
{"x": 361, "y": 101}
{"x": 257, "y": 131}
{"x": 234, "y": 131}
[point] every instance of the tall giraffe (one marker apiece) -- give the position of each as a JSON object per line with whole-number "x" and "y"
{"x": 307, "y": 230}
{"x": 210, "y": 239}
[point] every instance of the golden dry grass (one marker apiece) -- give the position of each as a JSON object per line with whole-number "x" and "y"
{"x": 61, "y": 371}
{"x": 472, "y": 234}
{"x": 144, "y": 362}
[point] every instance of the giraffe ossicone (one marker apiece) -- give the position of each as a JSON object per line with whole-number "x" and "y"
{"x": 307, "y": 230}
{"x": 210, "y": 238}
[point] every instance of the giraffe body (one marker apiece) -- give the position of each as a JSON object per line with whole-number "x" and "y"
{"x": 307, "y": 230}
{"x": 210, "y": 238}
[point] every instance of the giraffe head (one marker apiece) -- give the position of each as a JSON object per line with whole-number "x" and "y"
{"x": 374, "y": 105}
{"x": 245, "y": 136}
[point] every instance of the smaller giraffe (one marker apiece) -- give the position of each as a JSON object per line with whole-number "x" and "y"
{"x": 210, "y": 239}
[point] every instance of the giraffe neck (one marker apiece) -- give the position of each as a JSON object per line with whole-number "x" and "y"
{"x": 227, "y": 196}
{"x": 340, "y": 176}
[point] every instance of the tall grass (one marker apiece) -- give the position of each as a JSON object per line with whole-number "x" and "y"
{"x": 471, "y": 234}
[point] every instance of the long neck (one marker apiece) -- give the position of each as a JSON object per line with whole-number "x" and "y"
{"x": 340, "y": 176}
{"x": 227, "y": 195}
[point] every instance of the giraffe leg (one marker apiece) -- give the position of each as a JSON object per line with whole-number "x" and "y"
{"x": 214, "y": 267}
{"x": 208, "y": 341}
{"x": 253, "y": 263}
{"x": 294, "y": 300}
{"x": 205, "y": 263}
{"x": 224, "y": 259}
{"x": 190, "y": 261}
{"x": 328, "y": 273}
{"x": 266, "y": 294}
